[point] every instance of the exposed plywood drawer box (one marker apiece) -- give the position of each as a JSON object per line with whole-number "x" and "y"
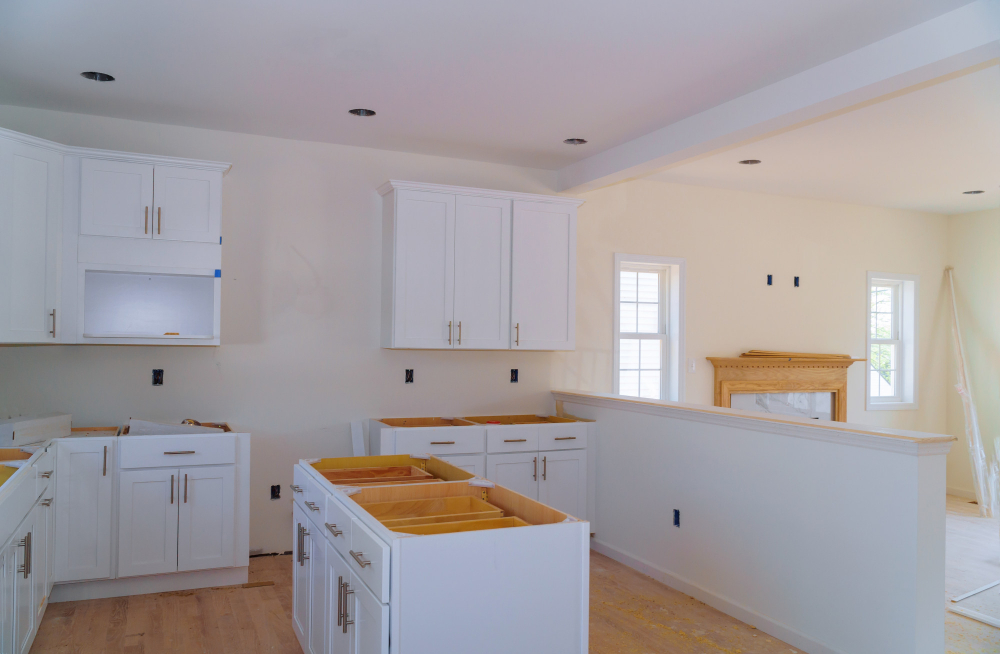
{"x": 33, "y": 429}
{"x": 171, "y": 451}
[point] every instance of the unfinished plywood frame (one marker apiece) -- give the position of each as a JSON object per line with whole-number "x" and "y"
{"x": 10, "y": 454}
{"x": 516, "y": 420}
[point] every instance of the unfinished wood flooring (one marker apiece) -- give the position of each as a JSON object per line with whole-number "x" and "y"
{"x": 972, "y": 560}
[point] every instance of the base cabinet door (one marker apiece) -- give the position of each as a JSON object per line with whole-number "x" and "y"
{"x": 338, "y": 639}
{"x": 301, "y": 572}
{"x": 84, "y": 470}
{"x": 40, "y": 556}
{"x": 518, "y": 471}
{"x": 368, "y": 620}
{"x": 7, "y": 556}
{"x": 24, "y": 604}
{"x": 563, "y": 482}
{"x": 147, "y": 522}
{"x": 318, "y": 626}
{"x": 474, "y": 463}
{"x": 207, "y": 517}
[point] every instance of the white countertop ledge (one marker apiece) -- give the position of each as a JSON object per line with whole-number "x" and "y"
{"x": 880, "y": 438}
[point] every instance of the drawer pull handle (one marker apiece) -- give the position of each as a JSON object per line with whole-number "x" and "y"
{"x": 357, "y": 557}
{"x": 105, "y": 471}
{"x": 46, "y": 502}
{"x": 312, "y": 506}
{"x": 515, "y": 440}
{"x": 565, "y": 438}
{"x": 347, "y": 592}
{"x": 534, "y": 475}
{"x": 297, "y": 489}
{"x": 182, "y": 452}
{"x": 171, "y": 489}
{"x": 442, "y": 442}
{"x": 545, "y": 467}
{"x": 45, "y": 475}
{"x": 333, "y": 530}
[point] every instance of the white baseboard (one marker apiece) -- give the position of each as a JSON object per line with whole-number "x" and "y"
{"x": 961, "y": 492}
{"x": 738, "y": 611}
{"x": 102, "y": 588}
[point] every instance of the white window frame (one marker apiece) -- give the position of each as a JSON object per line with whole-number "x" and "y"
{"x": 672, "y": 351}
{"x": 906, "y": 339}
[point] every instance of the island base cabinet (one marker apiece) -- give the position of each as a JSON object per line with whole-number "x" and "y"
{"x": 301, "y": 573}
{"x": 367, "y": 620}
{"x": 518, "y": 471}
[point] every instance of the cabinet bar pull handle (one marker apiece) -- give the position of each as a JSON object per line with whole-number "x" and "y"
{"x": 105, "y": 473}
{"x": 534, "y": 475}
{"x": 46, "y": 502}
{"x": 517, "y": 331}
{"x": 185, "y": 488}
{"x": 145, "y": 227}
{"x": 449, "y": 332}
{"x": 297, "y": 489}
{"x": 545, "y": 467}
{"x": 358, "y": 557}
{"x": 312, "y": 506}
{"x": 565, "y": 438}
{"x": 442, "y": 442}
{"x": 515, "y": 440}
{"x": 347, "y": 592}
{"x": 298, "y": 543}
{"x": 45, "y": 475}
{"x": 159, "y": 219}
{"x": 171, "y": 489}
{"x": 340, "y": 600}
{"x": 459, "y": 332}
{"x": 333, "y": 530}
{"x": 182, "y": 452}
{"x": 53, "y": 314}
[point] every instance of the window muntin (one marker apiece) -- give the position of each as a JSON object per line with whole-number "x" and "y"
{"x": 642, "y": 315}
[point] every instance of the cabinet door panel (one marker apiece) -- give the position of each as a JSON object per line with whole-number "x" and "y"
{"x": 30, "y": 225}
{"x": 24, "y": 604}
{"x": 147, "y": 522}
{"x": 301, "y": 572}
{"x": 7, "y": 556}
{"x": 188, "y": 204}
{"x": 543, "y": 276}
{"x": 318, "y": 626}
{"x": 370, "y": 631}
{"x": 518, "y": 472}
{"x": 83, "y": 508}
{"x": 207, "y": 517}
{"x": 116, "y": 198}
{"x": 338, "y": 638}
{"x": 482, "y": 273}
{"x": 424, "y": 275}
{"x": 40, "y": 556}
{"x": 563, "y": 483}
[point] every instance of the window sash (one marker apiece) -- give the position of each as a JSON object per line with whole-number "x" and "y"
{"x": 896, "y": 372}
{"x": 660, "y": 335}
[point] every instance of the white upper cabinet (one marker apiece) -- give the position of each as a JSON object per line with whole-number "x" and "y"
{"x": 116, "y": 198}
{"x": 543, "y": 276}
{"x": 482, "y": 273}
{"x": 453, "y": 269}
{"x": 31, "y": 181}
{"x": 188, "y": 204}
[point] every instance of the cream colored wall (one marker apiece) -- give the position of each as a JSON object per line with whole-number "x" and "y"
{"x": 732, "y": 240}
{"x": 974, "y": 251}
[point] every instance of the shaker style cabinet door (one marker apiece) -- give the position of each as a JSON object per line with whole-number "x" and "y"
{"x": 369, "y": 628}
{"x": 424, "y": 276}
{"x": 562, "y": 481}
{"x": 84, "y": 470}
{"x": 301, "y": 573}
{"x": 24, "y": 602}
{"x": 318, "y": 626}
{"x": 116, "y": 198}
{"x": 519, "y": 472}
{"x": 147, "y": 522}
{"x": 543, "y": 277}
{"x": 31, "y": 181}
{"x": 482, "y": 273}
{"x": 337, "y": 572}
{"x": 207, "y": 517}
{"x": 187, "y": 203}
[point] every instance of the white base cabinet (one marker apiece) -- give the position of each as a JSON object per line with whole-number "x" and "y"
{"x": 85, "y": 472}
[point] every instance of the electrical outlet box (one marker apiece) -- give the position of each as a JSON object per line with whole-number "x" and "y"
{"x": 158, "y": 377}
{"x": 677, "y": 517}
{"x": 513, "y": 375}
{"x": 769, "y": 280}
{"x": 796, "y": 282}
{"x": 409, "y": 375}
{"x": 276, "y": 492}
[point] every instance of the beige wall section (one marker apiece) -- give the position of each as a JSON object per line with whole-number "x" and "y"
{"x": 974, "y": 251}
{"x": 732, "y": 240}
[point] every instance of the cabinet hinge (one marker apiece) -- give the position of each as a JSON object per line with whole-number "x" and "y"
{"x": 484, "y": 495}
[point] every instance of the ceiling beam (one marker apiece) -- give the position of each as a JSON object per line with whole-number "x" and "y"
{"x": 949, "y": 43}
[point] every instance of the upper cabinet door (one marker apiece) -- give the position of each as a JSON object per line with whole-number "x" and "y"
{"x": 30, "y": 229}
{"x": 116, "y": 198}
{"x": 207, "y": 517}
{"x": 188, "y": 204}
{"x": 424, "y": 274}
{"x": 543, "y": 276}
{"x": 482, "y": 273}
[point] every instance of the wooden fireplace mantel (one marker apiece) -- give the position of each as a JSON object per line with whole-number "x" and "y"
{"x": 760, "y": 371}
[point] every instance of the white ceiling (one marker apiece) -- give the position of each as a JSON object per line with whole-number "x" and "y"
{"x": 916, "y": 150}
{"x": 497, "y": 81}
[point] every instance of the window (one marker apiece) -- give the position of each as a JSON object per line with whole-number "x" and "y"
{"x": 647, "y": 324}
{"x": 892, "y": 364}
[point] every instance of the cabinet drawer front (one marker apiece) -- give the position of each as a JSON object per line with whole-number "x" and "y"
{"x": 562, "y": 436}
{"x": 445, "y": 440}
{"x": 512, "y": 438}
{"x": 338, "y": 526}
{"x": 179, "y": 451}
{"x": 369, "y": 560}
{"x": 308, "y": 494}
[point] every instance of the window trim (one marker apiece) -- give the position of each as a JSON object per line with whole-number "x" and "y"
{"x": 672, "y": 370}
{"x": 907, "y": 337}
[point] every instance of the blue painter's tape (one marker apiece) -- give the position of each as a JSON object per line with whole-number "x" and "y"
{"x": 218, "y": 273}
{"x": 220, "y": 240}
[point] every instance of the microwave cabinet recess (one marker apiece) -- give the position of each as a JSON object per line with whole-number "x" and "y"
{"x": 427, "y": 541}
{"x": 466, "y": 268}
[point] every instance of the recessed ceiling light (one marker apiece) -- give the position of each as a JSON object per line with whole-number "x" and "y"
{"x": 750, "y": 162}
{"x": 575, "y": 141}
{"x": 97, "y": 77}
{"x": 972, "y": 192}
{"x": 362, "y": 112}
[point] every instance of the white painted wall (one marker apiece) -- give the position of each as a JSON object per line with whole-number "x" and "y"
{"x": 973, "y": 249}
{"x": 829, "y": 540}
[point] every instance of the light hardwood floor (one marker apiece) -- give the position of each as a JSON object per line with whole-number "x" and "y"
{"x": 630, "y": 613}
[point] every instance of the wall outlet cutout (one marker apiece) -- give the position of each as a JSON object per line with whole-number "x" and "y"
{"x": 409, "y": 375}
{"x": 513, "y": 375}
{"x": 796, "y": 282}
{"x": 276, "y": 492}
{"x": 770, "y": 280}
{"x": 158, "y": 377}
{"x": 677, "y": 517}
